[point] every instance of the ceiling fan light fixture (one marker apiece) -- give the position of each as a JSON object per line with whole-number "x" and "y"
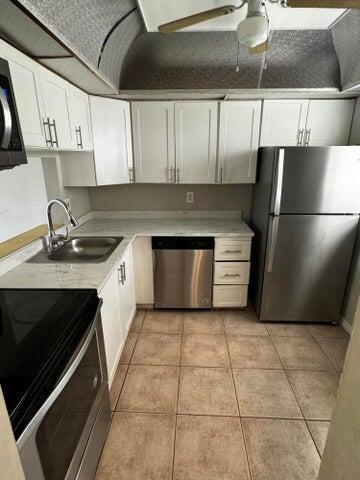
{"x": 253, "y": 30}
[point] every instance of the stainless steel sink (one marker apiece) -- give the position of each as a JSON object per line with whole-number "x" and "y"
{"x": 80, "y": 250}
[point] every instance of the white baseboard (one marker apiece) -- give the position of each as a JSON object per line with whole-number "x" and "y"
{"x": 346, "y": 325}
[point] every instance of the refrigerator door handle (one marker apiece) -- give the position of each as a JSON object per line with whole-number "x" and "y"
{"x": 273, "y": 241}
{"x": 279, "y": 181}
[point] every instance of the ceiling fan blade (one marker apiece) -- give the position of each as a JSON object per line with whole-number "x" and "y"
{"x": 196, "y": 18}
{"x": 261, "y": 48}
{"x": 323, "y": 3}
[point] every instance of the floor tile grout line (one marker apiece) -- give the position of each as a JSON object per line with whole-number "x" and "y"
{"x": 177, "y": 397}
{"x": 243, "y": 417}
{"x": 238, "y": 405}
{"x": 122, "y": 386}
{"x": 328, "y": 356}
{"x": 128, "y": 365}
{"x": 296, "y": 399}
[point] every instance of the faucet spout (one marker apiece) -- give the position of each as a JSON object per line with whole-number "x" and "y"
{"x": 55, "y": 240}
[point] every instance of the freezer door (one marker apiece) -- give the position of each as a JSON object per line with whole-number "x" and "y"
{"x": 316, "y": 180}
{"x": 306, "y": 268}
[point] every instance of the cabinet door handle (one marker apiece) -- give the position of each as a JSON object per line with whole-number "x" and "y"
{"x": 131, "y": 175}
{"x": 170, "y": 174}
{"x": 232, "y": 275}
{"x": 123, "y": 268}
{"x": 78, "y": 144}
{"x": 233, "y": 251}
{"x": 300, "y": 136}
{"x": 177, "y": 175}
{"x": 49, "y": 141}
{"x": 54, "y": 142}
{"x": 121, "y": 276}
{"x": 80, "y": 135}
{"x": 5, "y": 135}
{"x": 221, "y": 174}
{"x": 307, "y": 137}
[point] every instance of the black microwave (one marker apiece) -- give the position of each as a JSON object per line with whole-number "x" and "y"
{"x": 12, "y": 151}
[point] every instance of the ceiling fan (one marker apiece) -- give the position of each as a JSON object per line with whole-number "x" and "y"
{"x": 254, "y": 30}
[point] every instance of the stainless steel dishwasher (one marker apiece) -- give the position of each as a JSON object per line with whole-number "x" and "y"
{"x": 183, "y": 271}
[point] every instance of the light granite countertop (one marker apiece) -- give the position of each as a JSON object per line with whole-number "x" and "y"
{"x": 61, "y": 275}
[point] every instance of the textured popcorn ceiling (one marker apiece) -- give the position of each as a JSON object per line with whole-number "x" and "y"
{"x": 108, "y": 36}
{"x": 195, "y": 60}
{"x": 346, "y": 35}
{"x": 82, "y": 25}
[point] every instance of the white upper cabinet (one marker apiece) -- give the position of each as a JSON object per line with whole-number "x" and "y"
{"x": 27, "y": 89}
{"x": 306, "y": 122}
{"x": 196, "y": 125}
{"x": 55, "y": 95}
{"x": 112, "y": 140}
{"x": 80, "y": 118}
{"x": 329, "y": 122}
{"x": 154, "y": 142}
{"x": 238, "y": 141}
{"x": 283, "y": 122}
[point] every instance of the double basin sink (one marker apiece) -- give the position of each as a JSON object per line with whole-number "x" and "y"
{"x": 80, "y": 250}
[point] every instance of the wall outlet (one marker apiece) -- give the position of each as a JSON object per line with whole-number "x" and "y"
{"x": 189, "y": 197}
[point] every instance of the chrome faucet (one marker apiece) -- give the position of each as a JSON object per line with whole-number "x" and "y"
{"x": 55, "y": 240}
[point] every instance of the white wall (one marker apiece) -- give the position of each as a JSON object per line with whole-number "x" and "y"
{"x": 24, "y": 193}
{"x": 23, "y": 199}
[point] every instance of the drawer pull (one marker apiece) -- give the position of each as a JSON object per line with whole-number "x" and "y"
{"x": 232, "y": 275}
{"x": 233, "y": 251}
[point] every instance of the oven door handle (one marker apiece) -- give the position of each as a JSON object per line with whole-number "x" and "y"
{"x": 40, "y": 414}
{"x": 6, "y": 134}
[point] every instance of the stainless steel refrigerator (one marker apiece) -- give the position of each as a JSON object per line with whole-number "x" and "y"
{"x": 305, "y": 211}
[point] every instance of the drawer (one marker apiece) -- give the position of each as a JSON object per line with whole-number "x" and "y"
{"x": 232, "y": 249}
{"x": 230, "y": 296}
{"x": 236, "y": 273}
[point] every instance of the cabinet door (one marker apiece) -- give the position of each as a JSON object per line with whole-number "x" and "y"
{"x": 329, "y": 122}
{"x": 80, "y": 119}
{"x": 112, "y": 140}
{"x": 111, "y": 322}
{"x": 26, "y": 83}
{"x": 283, "y": 122}
{"x": 143, "y": 270}
{"x": 196, "y": 141}
{"x": 154, "y": 143}
{"x": 55, "y": 96}
{"x": 238, "y": 141}
{"x": 127, "y": 289}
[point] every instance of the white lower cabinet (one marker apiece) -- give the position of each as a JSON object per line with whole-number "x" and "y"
{"x": 118, "y": 310}
{"x": 114, "y": 336}
{"x": 143, "y": 271}
{"x": 127, "y": 299}
{"x": 230, "y": 296}
{"x": 231, "y": 272}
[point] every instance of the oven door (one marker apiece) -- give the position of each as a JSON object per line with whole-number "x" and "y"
{"x": 53, "y": 444}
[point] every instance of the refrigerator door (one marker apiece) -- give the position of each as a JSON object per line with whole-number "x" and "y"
{"x": 306, "y": 267}
{"x": 316, "y": 180}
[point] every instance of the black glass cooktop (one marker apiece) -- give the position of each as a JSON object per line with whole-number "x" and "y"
{"x": 39, "y": 331}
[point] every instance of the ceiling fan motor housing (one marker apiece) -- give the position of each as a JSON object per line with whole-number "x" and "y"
{"x": 254, "y": 29}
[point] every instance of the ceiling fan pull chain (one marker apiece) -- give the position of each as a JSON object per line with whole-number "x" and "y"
{"x": 237, "y": 57}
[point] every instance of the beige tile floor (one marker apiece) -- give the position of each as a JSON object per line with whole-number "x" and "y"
{"x": 221, "y": 396}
